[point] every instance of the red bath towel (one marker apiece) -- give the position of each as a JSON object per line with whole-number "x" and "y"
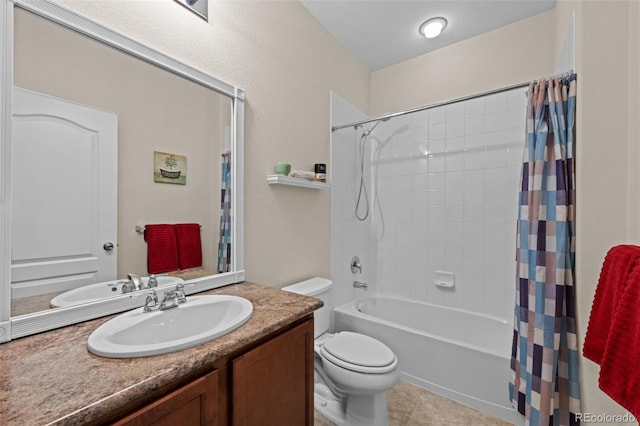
{"x": 162, "y": 248}
{"x": 617, "y": 267}
{"x": 619, "y": 373}
{"x": 613, "y": 333}
{"x": 189, "y": 245}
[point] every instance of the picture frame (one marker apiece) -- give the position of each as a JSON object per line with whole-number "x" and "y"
{"x": 169, "y": 168}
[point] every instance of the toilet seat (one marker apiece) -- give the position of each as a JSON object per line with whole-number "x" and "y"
{"x": 358, "y": 352}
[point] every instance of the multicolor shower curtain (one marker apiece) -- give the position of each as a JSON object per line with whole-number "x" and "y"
{"x": 544, "y": 383}
{"x": 224, "y": 243}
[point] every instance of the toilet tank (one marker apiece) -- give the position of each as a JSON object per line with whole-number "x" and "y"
{"x": 320, "y": 288}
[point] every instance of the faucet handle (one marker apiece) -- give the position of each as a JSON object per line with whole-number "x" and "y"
{"x": 151, "y": 300}
{"x": 181, "y": 286}
{"x": 180, "y": 294}
{"x": 355, "y": 265}
{"x": 128, "y": 286}
{"x": 153, "y": 281}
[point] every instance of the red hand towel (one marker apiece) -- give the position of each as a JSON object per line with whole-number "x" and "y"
{"x": 162, "y": 249}
{"x": 189, "y": 245}
{"x": 617, "y": 267}
{"x": 619, "y": 370}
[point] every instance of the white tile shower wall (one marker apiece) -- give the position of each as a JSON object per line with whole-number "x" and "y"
{"x": 349, "y": 236}
{"x": 447, "y": 182}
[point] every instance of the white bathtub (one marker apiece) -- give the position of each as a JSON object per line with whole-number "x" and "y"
{"x": 458, "y": 354}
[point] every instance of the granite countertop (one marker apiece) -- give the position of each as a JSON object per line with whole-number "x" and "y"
{"x": 51, "y": 378}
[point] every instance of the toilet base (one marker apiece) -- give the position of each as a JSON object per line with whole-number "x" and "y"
{"x": 328, "y": 405}
{"x": 367, "y": 410}
{"x": 353, "y": 410}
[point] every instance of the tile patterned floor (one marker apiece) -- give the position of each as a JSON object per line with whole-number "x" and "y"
{"x": 410, "y": 405}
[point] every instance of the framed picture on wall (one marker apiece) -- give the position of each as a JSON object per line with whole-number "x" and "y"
{"x": 169, "y": 168}
{"x": 199, "y": 7}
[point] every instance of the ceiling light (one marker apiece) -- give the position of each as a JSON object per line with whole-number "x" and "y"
{"x": 433, "y": 27}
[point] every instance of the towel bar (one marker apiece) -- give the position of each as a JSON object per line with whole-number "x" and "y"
{"x": 140, "y": 229}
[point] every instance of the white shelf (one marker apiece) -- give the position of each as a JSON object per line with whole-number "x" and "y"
{"x": 291, "y": 181}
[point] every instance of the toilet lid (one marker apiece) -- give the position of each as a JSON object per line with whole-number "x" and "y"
{"x": 358, "y": 352}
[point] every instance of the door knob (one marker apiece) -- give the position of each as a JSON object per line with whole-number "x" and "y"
{"x": 108, "y": 246}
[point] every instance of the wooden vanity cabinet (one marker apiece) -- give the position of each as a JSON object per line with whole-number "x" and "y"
{"x": 273, "y": 383}
{"x": 193, "y": 404}
{"x": 268, "y": 383}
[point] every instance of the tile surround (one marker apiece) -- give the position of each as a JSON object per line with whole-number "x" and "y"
{"x": 447, "y": 180}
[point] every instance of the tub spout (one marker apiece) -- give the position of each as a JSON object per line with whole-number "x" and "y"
{"x": 359, "y": 284}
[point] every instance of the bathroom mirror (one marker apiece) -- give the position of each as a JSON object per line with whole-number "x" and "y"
{"x": 161, "y": 109}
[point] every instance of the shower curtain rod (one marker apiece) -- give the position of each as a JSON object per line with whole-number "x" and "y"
{"x": 426, "y": 107}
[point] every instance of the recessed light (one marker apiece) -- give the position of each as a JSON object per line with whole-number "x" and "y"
{"x": 432, "y": 27}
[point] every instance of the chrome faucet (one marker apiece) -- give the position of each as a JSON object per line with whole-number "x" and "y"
{"x": 131, "y": 284}
{"x": 134, "y": 283}
{"x": 359, "y": 284}
{"x": 173, "y": 298}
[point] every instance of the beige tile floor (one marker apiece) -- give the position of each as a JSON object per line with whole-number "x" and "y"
{"x": 410, "y": 405}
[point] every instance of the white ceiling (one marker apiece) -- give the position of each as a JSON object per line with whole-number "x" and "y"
{"x": 384, "y": 32}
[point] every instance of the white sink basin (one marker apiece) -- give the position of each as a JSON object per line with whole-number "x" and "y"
{"x": 99, "y": 291}
{"x": 199, "y": 320}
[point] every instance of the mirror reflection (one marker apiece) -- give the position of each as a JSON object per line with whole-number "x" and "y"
{"x": 118, "y": 169}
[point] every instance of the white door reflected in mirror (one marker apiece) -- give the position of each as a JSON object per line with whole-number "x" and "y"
{"x": 64, "y": 177}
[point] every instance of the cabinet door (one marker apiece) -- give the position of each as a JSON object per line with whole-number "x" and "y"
{"x": 273, "y": 383}
{"x": 193, "y": 404}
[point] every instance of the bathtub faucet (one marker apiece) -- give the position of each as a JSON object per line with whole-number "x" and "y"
{"x": 359, "y": 284}
{"x": 355, "y": 265}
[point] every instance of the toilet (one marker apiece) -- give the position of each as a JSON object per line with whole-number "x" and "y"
{"x": 352, "y": 371}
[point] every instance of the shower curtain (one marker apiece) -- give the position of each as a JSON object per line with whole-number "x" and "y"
{"x": 544, "y": 360}
{"x": 224, "y": 242}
